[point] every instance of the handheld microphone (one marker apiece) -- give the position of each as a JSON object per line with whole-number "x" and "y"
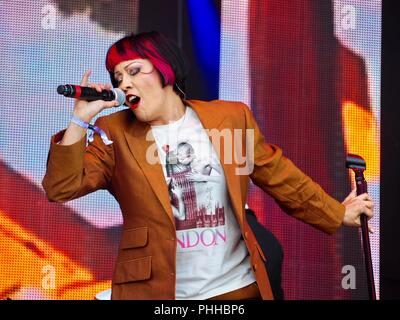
{"x": 91, "y": 94}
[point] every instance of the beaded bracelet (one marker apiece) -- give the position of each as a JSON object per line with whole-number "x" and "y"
{"x": 93, "y": 129}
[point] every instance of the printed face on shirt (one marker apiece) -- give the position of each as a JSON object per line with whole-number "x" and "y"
{"x": 142, "y": 85}
{"x": 185, "y": 153}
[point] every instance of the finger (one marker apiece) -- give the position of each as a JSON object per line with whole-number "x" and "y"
{"x": 368, "y": 213}
{"x": 92, "y": 85}
{"x": 85, "y": 78}
{"x": 371, "y": 229}
{"x": 97, "y": 87}
{"x": 351, "y": 195}
{"x": 357, "y": 222}
{"x": 353, "y": 192}
{"x": 367, "y": 198}
{"x": 108, "y": 86}
{"x": 111, "y": 104}
{"x": 364, "y": 196}
{"x": 369, "y": 204}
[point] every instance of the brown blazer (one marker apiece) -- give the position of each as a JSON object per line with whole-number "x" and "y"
{"x": 145, "y": 267}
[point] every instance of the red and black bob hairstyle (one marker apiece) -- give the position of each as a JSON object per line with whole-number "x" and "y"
{"x": 167, "y": 58}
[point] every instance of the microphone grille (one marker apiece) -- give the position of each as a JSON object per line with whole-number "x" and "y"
{"x": 60, "y": 89}
{"x": 119, "y": 96}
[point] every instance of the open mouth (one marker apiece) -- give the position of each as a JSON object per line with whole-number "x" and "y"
{"x": 133, "y": 101}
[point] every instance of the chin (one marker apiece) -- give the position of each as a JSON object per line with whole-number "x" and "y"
{"x": 140, "y": 116}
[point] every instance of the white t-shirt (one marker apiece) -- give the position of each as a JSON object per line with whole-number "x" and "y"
{"x": 211, "y": 257}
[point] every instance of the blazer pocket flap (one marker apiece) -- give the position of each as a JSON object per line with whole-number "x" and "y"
{"x": 133, "y": 270}
{"x": 134, "y": 238}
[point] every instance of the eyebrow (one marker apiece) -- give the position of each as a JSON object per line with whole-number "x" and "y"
{"x": 126, "y": 67}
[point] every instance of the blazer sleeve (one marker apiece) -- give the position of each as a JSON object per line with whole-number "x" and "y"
{"x": 295, "y": 193}
{"x": 76, "y": 170}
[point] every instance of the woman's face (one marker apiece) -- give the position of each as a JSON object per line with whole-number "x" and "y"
{"x": 143, "y": 88}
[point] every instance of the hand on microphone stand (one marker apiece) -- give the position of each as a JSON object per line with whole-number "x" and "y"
{"x": 355, "y": 207}
{"x": 359, "y": 209}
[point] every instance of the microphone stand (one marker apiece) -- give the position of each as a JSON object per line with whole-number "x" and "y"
{"x": 358, "y": 165}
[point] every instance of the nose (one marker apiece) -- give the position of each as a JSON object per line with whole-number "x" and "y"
{"x": 125, "y": 84}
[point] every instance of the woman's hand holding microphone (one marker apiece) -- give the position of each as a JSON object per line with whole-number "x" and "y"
{"x": 86, "y": 111}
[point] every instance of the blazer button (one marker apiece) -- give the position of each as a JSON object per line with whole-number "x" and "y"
{"x": 246, "y": 234}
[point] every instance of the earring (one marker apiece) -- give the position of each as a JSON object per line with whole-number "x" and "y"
{"x": 181, "y": 91}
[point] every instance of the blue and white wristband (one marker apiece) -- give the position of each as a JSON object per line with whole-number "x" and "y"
{"x": 93, "y": 129}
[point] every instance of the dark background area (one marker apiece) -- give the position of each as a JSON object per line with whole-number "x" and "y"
{"x": 171, "y": 18}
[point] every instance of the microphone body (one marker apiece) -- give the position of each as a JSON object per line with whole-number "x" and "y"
{"x": 91, "y": 94}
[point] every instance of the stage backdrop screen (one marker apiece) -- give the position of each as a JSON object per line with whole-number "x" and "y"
{"x": 310, "y": 72}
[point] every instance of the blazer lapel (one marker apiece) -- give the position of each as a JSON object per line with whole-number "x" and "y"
{"x": 136, "y": 138}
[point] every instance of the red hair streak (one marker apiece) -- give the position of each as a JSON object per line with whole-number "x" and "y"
{"x": 115, "y": 57}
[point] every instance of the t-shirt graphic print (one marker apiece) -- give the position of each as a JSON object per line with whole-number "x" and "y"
{"x": 193, "y": 185}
